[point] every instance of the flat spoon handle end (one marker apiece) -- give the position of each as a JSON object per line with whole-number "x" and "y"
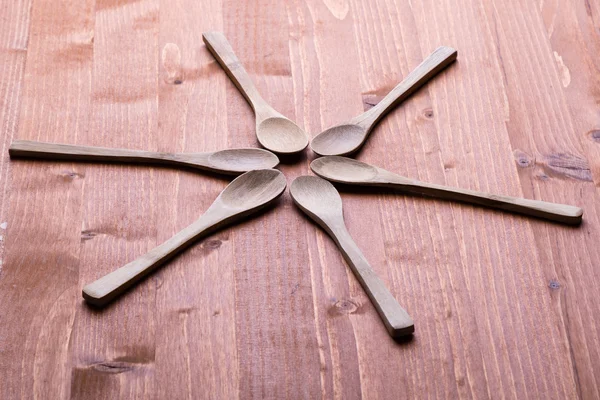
{"x": 430, "y": 67}
{"x": 395, "y": 318}
{"x": 102, "y": 291}
{"x": 402, "y": 329}
{"x": 563, "y": 213}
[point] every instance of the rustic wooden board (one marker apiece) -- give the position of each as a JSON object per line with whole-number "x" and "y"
{"x": 504, "y": 306}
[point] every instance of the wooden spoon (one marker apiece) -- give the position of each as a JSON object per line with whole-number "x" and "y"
{"x": 274, "y": 131}
{"x": 349, "y": 171}
{"x": 348, "y": 137}
{"x": 231, "y": 161}
{"x": 321, "y": 201}
{"x": 247, "y": 194}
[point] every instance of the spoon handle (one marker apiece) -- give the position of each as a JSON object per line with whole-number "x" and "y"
{"x": 220, "y": 48}
{"x": 431, "y": 66}
{"x": 396, "y": 319}
{"x": 56, "y": 151}
{"x": 107, "y": 288}
{"x": 562, "y": 213}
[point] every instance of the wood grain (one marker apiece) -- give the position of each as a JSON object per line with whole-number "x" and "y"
{"x": 505, "y": 306}
{"x": 193, "y": 326}
{"x": 13, "y": 50}
{"x": 57, "y": 78}
{"x": 119, "y": 205}
{"x": 564, "y": 155}
{"x": 271, "y": 347}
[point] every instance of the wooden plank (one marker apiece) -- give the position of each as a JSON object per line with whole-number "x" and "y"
{"x": 326, "y": 73}
{"x": 552, "y": 98}
{"x": 14, "y": 34}
{"x": 571, "y": 31}
{"x": 416, "y": 234}
{"x": 38, "y": 284}
{"x": 119, "y": 206}
{"x": 539, "y": 373}
{"x": 437, "y": 134}
{"x": 278, "y": 355}
{"x": 196, "y": 342}
{"x": 504, "y": 306}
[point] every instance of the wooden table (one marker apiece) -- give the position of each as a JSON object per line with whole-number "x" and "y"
{"x": 504, "y": 305}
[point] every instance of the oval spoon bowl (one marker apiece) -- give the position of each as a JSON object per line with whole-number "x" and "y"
{"x": 258, "y": 188}
{"x": 281, "y": 136}
{"x": 339, "y": 140}
{"x": 343, "y": 170}
{"x": 242, "y": 160}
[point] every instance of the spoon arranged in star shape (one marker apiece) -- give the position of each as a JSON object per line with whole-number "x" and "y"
{"x": 321, "y": 202}
{"x": 346, "y": 138}
{"x": 273, "y": 131}
{"x": 229, "y": 161}
{"x": 353, "y": 172}
{"x": 245, "y": 195}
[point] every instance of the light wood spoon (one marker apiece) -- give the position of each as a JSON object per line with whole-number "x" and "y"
{"x": 349, "y": 171}
{"x": 245, "y": 195}
{"x": 321, "y": 201}
{"x": 274, "y": 131}
{"x": 231, "y": 161}
{"x": 348, "y": 137}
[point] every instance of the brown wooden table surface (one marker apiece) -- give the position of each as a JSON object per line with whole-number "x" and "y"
{"x": 504, "y": 305}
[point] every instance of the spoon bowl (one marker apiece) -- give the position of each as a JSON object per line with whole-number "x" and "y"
{"x": 322, "y": 202}
{"x": 317, "y": 197}
{"x": 247, "y": 194}
{"x": 343, "y": 170}
{"x": 242, "y": 160}
{"x": 281, "y": 135}
{"x": 255, "y": 189}
{"x": 348, "y": 137}
{"x": 340, "y": 139}
{"x": 353, "y": 172}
